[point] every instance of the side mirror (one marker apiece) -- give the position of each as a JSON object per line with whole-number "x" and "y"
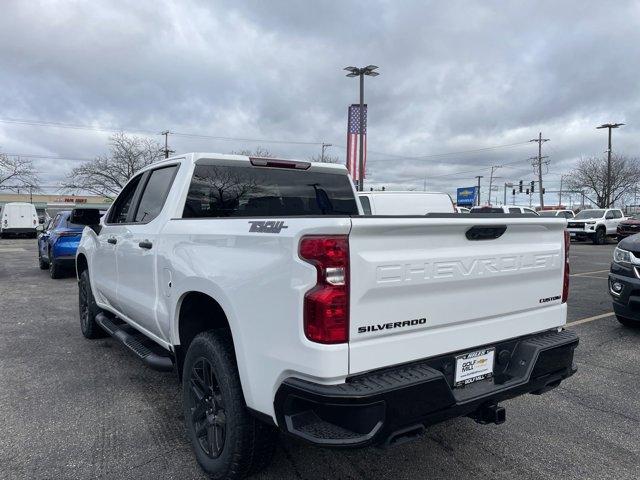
{"x": 85, "y": 216}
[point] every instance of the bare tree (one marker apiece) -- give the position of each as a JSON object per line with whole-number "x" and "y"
{"x": 108, "y": 174}
{"x": 17, "y": 172}
{"x": 591, "y": 176}
{"x": 257, "y": 152}
{"x": 327, "y": 158}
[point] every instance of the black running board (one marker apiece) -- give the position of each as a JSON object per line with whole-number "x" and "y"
{"x": 153, "y": 360}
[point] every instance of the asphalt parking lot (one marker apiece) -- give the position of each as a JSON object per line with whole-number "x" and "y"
{"x": 73, "y": 408}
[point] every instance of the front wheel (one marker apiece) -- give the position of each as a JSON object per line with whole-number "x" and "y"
{"x": 227, "y": 440}
{"x": 627, "y": 322}
{"x": 600, "y": 237}
{"x": 88, "y": 309}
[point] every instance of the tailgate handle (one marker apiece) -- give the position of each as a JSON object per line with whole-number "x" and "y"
{"x": 488, "y": 232}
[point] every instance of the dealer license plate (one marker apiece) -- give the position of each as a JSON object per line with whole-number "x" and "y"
{"x": 474, "y": 366}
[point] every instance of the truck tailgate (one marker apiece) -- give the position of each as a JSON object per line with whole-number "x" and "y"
{"x": 424, "y": 286}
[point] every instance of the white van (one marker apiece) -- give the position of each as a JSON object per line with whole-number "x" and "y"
{"x": 18, "y": 218}
{"x": 405, "y": 203}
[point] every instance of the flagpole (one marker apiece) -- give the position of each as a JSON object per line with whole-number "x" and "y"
{"x": 361, "y": 132}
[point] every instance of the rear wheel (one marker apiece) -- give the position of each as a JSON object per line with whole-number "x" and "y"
{"x": 227, "y": 440}
{"x": 42, "y": 263}
{"x": 627, "y": 322}
{"x": 88, "y": 309}
{"x": 600, "y": 237}
{"x": 55, "y": 269}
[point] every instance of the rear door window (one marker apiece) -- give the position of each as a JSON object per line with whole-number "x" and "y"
{"x": 121, "y": 207}
{"x": 617, "y": 214}
{"x": 155, "y": 193}
{"x": 249, "y": 191}
{"x": 514, "y": 210}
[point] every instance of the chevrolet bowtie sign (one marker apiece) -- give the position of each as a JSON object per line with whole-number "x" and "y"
{"x": 466, "y": 196}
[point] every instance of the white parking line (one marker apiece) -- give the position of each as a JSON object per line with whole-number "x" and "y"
{"x": 586, "y": 274}
{"x": 591, "y": 319}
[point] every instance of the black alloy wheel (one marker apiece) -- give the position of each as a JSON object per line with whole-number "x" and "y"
{"x": 208, "y": 415}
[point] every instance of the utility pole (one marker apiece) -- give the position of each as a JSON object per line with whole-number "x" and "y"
{"x": 493, "y": 169}
{"x": 479, "y": 177}
{"x": 607, "y": 193}
{"x": 166, "y": 144}
{"x": 324, "y": 145}
{"x": 538, "y": 164}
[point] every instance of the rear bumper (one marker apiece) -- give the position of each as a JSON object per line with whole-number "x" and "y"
{"x": 390, "y": 405}
{"x": 65, "y": 249}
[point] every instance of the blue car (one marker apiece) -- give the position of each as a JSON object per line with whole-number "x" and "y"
{"x": 58, "y": 243}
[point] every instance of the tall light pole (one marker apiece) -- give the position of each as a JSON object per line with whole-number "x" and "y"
{"x": 361, "y": 72}
{"x": 610, "y": 126}
{"x": 324, "y": 145}
{"x": 493, "y": 169}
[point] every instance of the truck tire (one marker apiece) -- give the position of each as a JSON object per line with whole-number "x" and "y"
{"x": 229, "y": 443}
{"x": 627, "y": 322}
{"x": 600, "y": 237}
{"x": 88, "y": 309}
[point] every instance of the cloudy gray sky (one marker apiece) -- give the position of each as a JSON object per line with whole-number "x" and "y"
{"x": 455, "y": 76}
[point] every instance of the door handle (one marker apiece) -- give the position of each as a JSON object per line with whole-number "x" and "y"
{"x": 112, "y": 240}
{"x": 145, "y": 244}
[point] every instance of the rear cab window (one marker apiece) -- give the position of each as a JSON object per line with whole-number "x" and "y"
{"x": 250, "y": 191}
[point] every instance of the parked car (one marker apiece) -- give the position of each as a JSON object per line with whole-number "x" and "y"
{"x": 624, "y": 281}
{"x": 557, "y": 213}
{"x": 628, "y": 226}
{"x": 58, "y": 243}
{"x": 19, "y": 218}
{"x": 595, "y": 224}
{"x": 405, "y": 203}
{"x": 503, "y": 209}
{"x": 280, "y": 305}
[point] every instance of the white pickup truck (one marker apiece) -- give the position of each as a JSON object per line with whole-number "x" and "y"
{"x": 595, "y": 224}
{"x": 280, "y": 304}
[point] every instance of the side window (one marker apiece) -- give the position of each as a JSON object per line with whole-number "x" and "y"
{"x": 514, "y": 210}
{"x": 528, "y": 210}
{"x": 609, "y": 215}
{"x": 617, "y": 214}
{"x": 568, "y": 214}
{"x": 122, "y": 205}
{"x": 155, "y": 193}
{"x": 366, "y": 205}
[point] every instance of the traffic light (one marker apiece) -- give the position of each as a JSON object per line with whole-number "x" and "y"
{"x": 514, "y": 192}
{"x": 533, "y": 186}
{"x": 527, "y": 191}
{"x": 543, "y": 190}
{"x": 520, "y": 186}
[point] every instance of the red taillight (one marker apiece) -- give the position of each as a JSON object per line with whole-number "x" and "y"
{"x": 326, "y": 306}
{"x": 565, "y": 281}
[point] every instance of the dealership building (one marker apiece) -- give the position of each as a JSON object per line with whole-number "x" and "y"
{"x": 53, "y": 203}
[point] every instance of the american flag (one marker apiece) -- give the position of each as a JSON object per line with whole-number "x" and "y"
{"x": 353, "y": 129}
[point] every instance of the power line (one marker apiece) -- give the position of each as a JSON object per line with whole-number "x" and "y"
{"x": 248, "y": 139}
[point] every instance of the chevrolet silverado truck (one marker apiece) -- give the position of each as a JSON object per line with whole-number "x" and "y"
{"x": 281, "y": 306}
{"x": 595, "y": 224}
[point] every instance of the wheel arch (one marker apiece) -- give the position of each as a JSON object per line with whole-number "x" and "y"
{"x": 196, "y": 312}
{"x": 82, "y": 264}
